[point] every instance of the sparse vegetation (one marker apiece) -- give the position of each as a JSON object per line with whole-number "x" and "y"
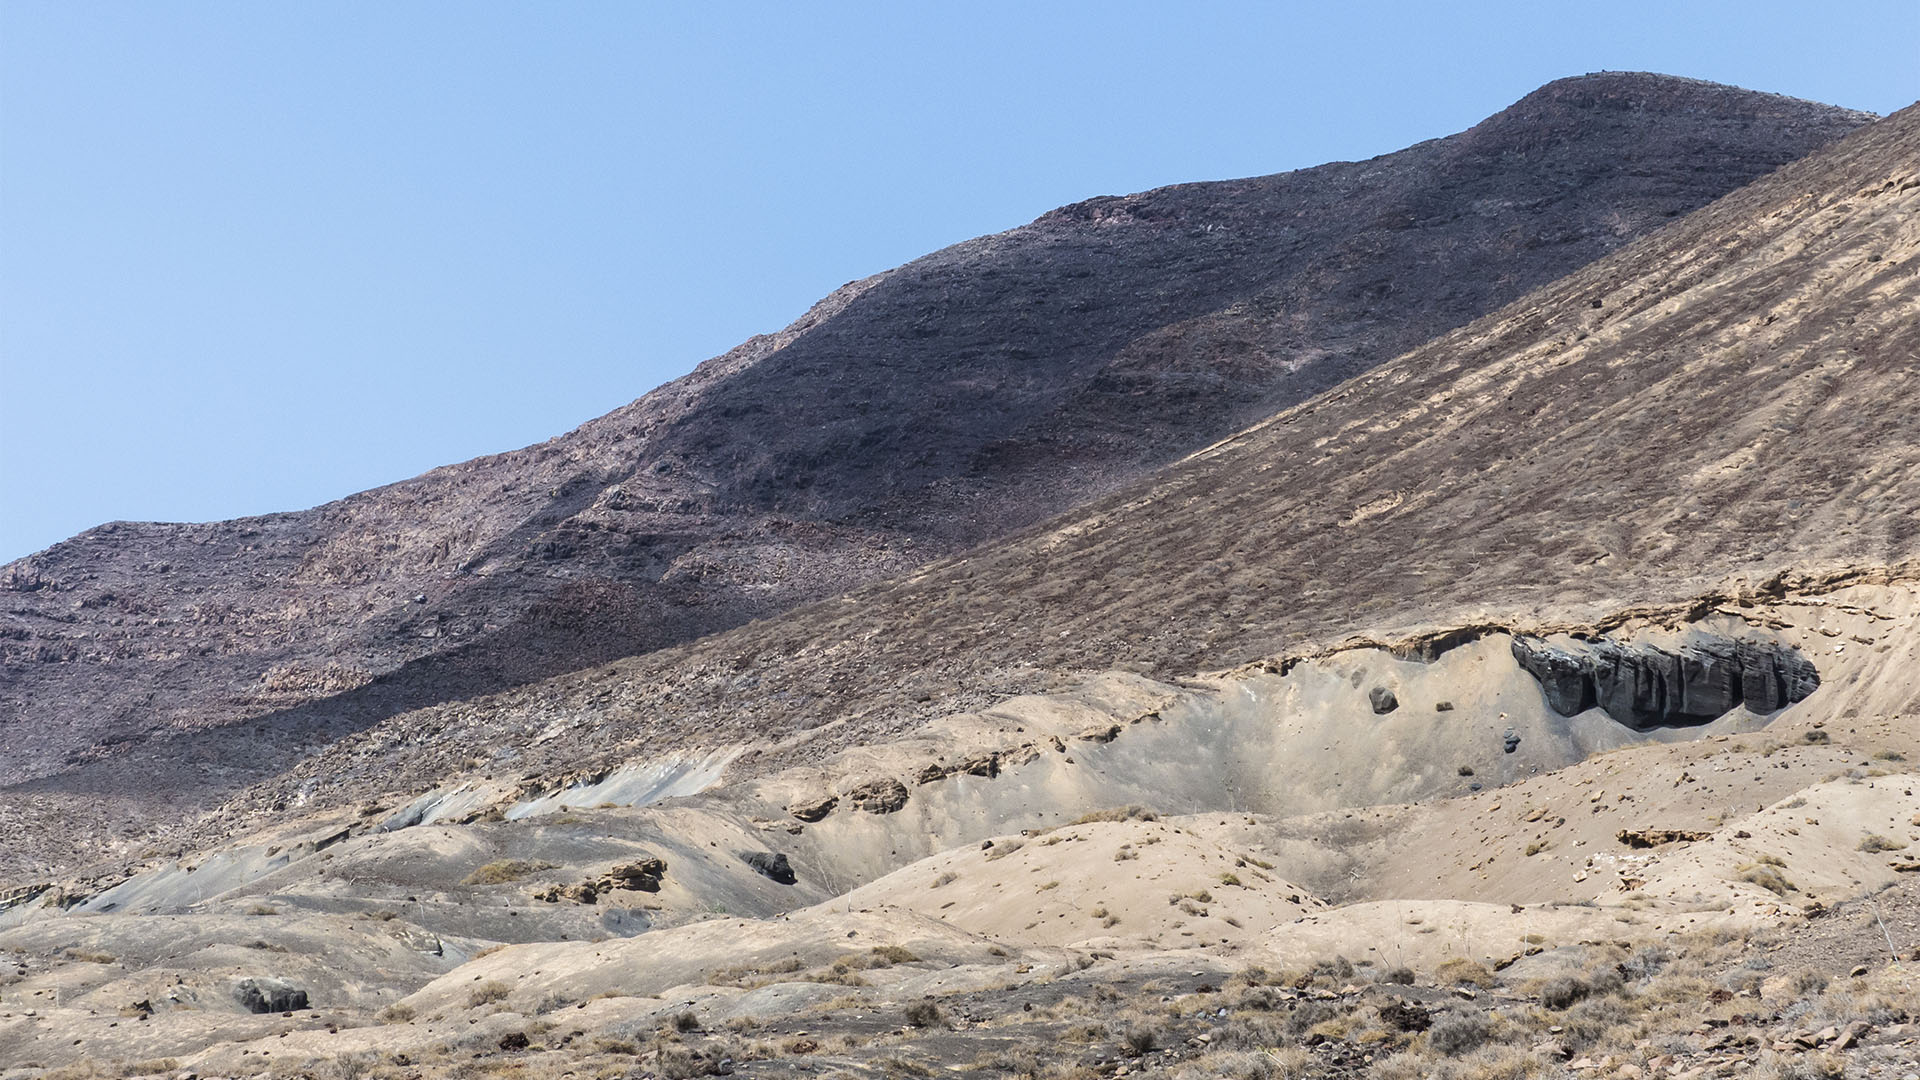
{"x": 1766, "y": 876}
{"x": 1459, "y": 1034}
{"x": 925, "y": 1013}
{"x": 487, "y": 993}
{"x": 1117, "y": 813}
{"x": 1463, "y": 972}
{"x": 505, "y": 871}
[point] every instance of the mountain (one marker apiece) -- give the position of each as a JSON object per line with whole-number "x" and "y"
{"x": 1700, "y": 418}
{"x": 1539, "y": 702}
{"x": 907, "y": 417}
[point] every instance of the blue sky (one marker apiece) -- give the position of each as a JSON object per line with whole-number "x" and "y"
{"x": 258, "y": 256}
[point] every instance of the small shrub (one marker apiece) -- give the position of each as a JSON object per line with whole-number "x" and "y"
{"x": 397, "y": 1013}
{"x": 946, "y": 878}
{"x": 1337, "y": 968}
{"x": 1809, "y": 982}
{"x": 1141, "y": 1039}
{"x": 1229, "y": 879}
{"x": 487, "y": 993}
{"x": 1118, "y": 813}
{"x": 924, "y": 1014}
{"x": 1766, "y": 877}
{"x": 1248, "y": 1033}
{"x": 1646, "y": 962}
{"x": 1874, "y": 842}
{"x": 685, "y": 1021}
{"x": 1818, "y": 737}
{"x": 1563, "y": 993}
{"x": 1309, "y": 1015}
{"x": 1399, "y": 976}
{"x": 1461, "y": 970}
{"x": 1889, "y": 755}
{"x": 1458, "y": 1035}
{"x": 894, "y": 954}
{"x": 263, "y": 909}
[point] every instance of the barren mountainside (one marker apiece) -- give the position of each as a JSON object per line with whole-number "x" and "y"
{"x": 1709, "y": 414}
{"x": 1539, "y": 703}
{"x": 965, "y": 395}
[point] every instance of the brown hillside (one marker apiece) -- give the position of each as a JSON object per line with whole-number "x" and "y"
{"x": 1712, "y": 411}
{"x": 969, "y": 393}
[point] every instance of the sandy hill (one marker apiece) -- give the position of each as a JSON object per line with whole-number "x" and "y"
{"x": 971, "y": 392}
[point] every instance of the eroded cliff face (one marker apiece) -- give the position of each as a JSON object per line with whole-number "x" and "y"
{"x": 1644, "y": 685}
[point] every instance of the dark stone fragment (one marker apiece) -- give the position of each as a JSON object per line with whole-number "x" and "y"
{"x": 1382, "y": 700}
{"x": 770, "y": 865}
{"x": 815, "y": 809}
{"x": 642, "y": 874}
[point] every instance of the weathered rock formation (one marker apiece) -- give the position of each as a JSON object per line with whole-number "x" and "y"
{"x": 262, "y": 995}
{"x": 1644, "y": 685}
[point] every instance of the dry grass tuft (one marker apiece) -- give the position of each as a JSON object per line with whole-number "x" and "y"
{"x": 504, "y": 871}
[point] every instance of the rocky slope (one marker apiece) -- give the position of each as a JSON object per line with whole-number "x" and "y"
{"x": 969, "y": 393}
{"x": 1427, "y": 782}
{"x": 1698, "y": 418}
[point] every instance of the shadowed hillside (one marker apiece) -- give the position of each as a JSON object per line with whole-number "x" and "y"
{"x": 969, "y": 393}
{"x": 1703, "y": 415}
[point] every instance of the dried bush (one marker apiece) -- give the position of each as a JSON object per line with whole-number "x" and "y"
{"x": 1117, "y": 813}
{"x": 487, "y": 993}
{"x": 503, "y": 871}
{"x": 1142, "y": 1038}
{"x": 1461, "y": 970}
{"x": 1459, "y": 1034}
{"x": 925, "y": 1013}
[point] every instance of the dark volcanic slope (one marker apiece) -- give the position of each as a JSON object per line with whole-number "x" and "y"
{"x": 1721, "y": 407}
{"x": 969, "y": 393}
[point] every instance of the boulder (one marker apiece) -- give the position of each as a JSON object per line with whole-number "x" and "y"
{"x": 770, "y": 865}
{"x": 882, "y": 796}
{"x": 643, "y": 874}
{"x": 814, "y": 809}
{"x": 267, "y": 995}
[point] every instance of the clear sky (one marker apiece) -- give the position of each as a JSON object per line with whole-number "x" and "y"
{"x": 255, "y": 256}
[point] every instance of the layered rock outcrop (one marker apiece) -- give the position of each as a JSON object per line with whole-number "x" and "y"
{"x": 1644, "y": 685}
